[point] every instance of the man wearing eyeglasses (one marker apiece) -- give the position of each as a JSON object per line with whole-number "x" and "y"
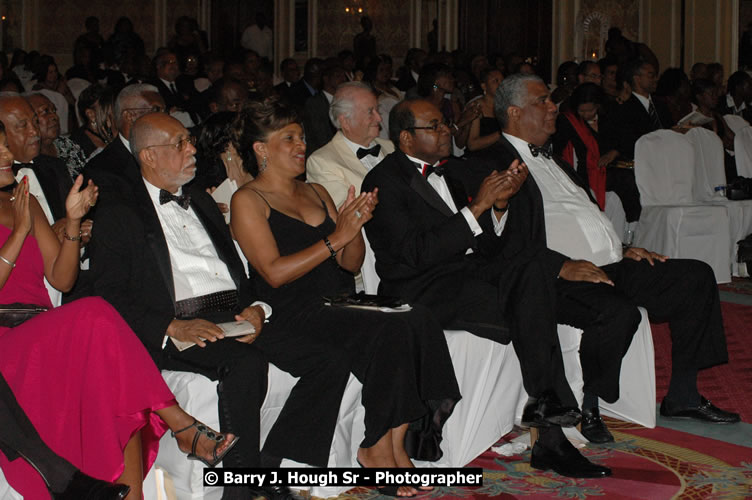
{"x": 165, "y": 260}
{"x": 115, "y": 169}
{"x": 436, "y": 246}
{"x": 356, "y": 147}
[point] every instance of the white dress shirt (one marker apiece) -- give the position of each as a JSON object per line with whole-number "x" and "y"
{"x": 35, "y": 189}
{"x": 125, "y": 142}
{"x": 645, "y": 101}
{"x": 440, "y": 186}
{"x": 329, "y": 97}
{"x": 575, "y": 226}
{"x": 197, "y": 269}
{"x": 368, "y": 161}
{"x": 732, "y": 105}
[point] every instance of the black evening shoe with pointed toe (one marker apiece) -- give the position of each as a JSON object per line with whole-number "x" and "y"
{"x": 83, "y": 487}
{"x": 565, "y": 460}
{"x": 705, "y": 411}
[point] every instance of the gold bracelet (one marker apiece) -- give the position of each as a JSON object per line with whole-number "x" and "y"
{"x": 71, "y": 238}
{"x": 11, "y": 264}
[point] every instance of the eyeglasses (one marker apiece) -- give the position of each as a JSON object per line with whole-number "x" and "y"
{"x": 434, "y": 126}
{"x": 153, "y": 109}
{"x": 179, "y": 146}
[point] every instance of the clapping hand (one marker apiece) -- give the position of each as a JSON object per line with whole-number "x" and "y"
{"x": 21, "y": 208}
{"x": 79, "y": 201}
{"x": 355, "y": 212}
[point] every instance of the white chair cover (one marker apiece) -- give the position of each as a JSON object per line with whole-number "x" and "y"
{"x": 636, "y": 401}
{"x": 672, "y": 222}
{"x": 6, "y": 491}
{"x": 743, "y": 151}
{"x": 710, "y": 173}
{"x": 735, "y": 123}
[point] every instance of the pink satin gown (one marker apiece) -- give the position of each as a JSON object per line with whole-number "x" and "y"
{"x": 82, "y": 376}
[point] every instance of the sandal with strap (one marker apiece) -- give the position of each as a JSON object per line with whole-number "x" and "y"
{"x": 218, "y": 439}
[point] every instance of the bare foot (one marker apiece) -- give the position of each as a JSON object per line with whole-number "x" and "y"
{"x": 376, "y": 456}
{"x": 403, "y": 460}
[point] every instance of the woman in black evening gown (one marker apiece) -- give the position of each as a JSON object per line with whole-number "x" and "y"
{"x": 301, "y": 249}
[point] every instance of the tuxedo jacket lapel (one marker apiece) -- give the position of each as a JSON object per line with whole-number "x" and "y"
{"x": 154, "y": 235}
{"x": 420, "y": 185}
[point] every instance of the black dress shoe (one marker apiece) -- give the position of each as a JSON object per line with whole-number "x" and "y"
{"x": 547, "y": 410}
{"x": 83, "y": 487}
{"x": 594, "y": 428}
{"x": 566, "y": 461}
{"x": 705, "y": 411}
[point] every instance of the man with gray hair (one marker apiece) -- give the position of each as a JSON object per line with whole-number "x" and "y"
{"x": 356, "y": 147}
{"x": 438, "y": 247}
{"x": 115, "y": 169}
{"x": 598, "y": 277}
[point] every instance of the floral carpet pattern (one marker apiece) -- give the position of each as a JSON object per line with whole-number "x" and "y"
{"x": 647, "y": 464}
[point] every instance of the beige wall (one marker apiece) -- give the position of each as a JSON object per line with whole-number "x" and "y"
{"x": 51, "y": 27}
{"x": 711, "y": 28}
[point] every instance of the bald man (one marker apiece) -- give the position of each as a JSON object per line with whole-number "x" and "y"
{"x": 164, "y": 258}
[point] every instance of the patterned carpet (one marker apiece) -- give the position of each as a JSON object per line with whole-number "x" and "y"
{"x": 647, "y": 464}
{"x": 738, "y": 285}
{"x": 655, "y": 463}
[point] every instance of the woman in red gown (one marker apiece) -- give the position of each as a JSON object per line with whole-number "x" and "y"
{"x": 80, "y": 374}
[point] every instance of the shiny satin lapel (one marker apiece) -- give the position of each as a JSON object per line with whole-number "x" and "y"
{"x": 421, "y": 186}
{"x": 155, "y": 236}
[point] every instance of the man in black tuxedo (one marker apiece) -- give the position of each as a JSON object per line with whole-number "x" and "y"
{"x": 601, "y": 291}
{"x": 51, "y": 174}
{"x": 637, "y": 116}
{"x": 19, "y": 438}
{"x": 164, "y": 258}
{"x": 290, "y": 73}
{"x": 115, "y": 170}
{"x": 434, "y": 248}
{"x": 179, "y": 100}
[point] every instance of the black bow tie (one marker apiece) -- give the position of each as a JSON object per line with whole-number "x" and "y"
{"x": 183, "y": 200}
{"x": 363, "y": 152}
{"x": 430, "y": 169}
{"x": 545, "y": 150}
{"x": 18, "y": 166}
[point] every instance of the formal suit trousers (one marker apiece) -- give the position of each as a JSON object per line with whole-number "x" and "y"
{"x": 305, "y": 427}
{"x": 528, "y": 310}
{"x": 19, "y": 437}
{"x": 622, "y": 182}
{"x": 242, "y": 374}
{"x": 608, "y": 320}
{"x": 683, "y": 293}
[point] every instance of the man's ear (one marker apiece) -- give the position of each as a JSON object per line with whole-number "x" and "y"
{"x": 406, "y": 141}
{"x": 513, "y": 112}
{"x": 146, "y": 157}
